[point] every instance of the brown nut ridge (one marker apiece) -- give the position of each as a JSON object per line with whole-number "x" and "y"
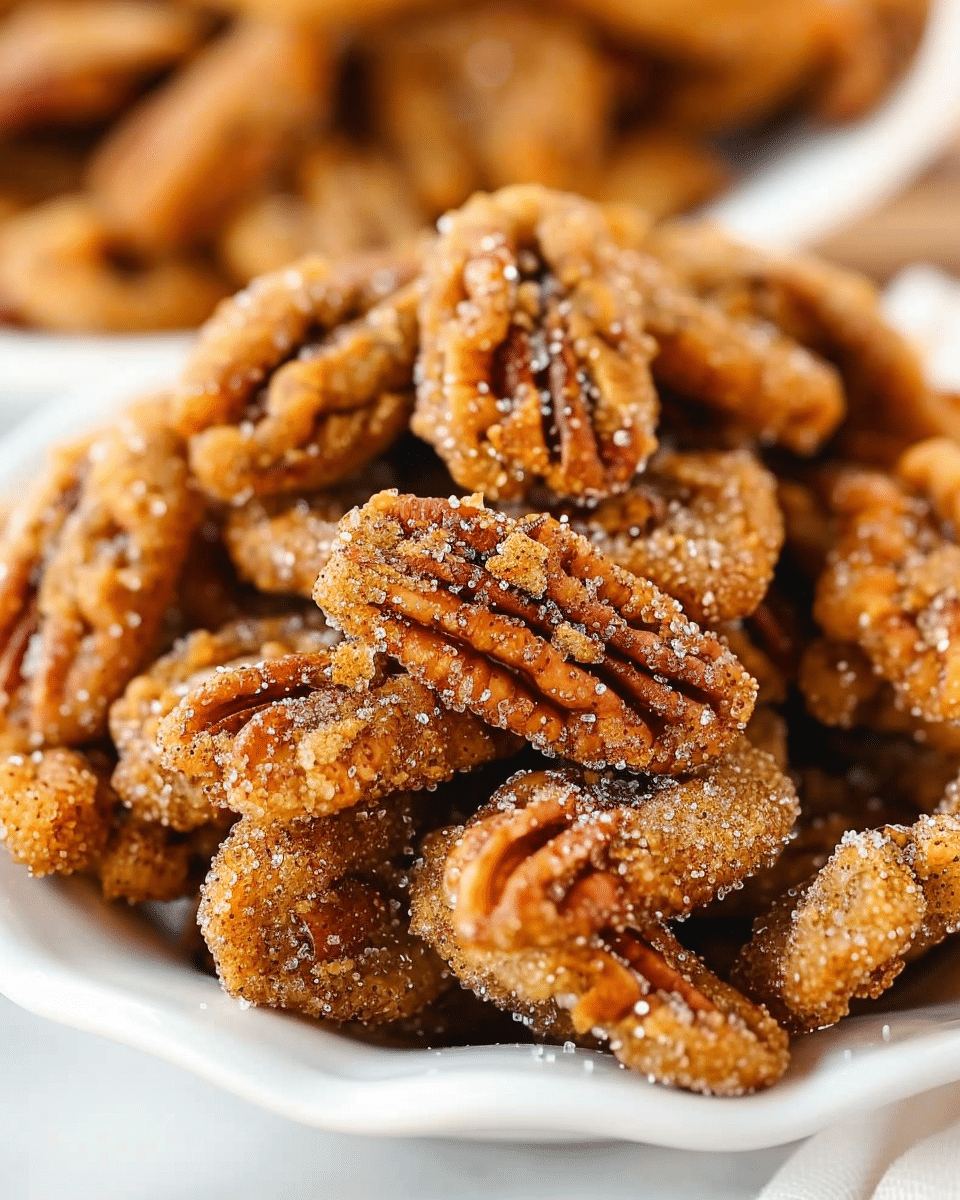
{"x": 149, "y": 789}
{"x": 534, "y": 360}
{"x": 661, "y": 1011}
{"x": 531, "y": 628}
{"x": 890, "y": 584}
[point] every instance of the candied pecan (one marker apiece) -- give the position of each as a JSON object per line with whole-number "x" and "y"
{"x": 59, "y": 813}
{"x": 302, "y": 378}
{"x": 167, "y": 175}
{"x": 69, "y": 63}
{"x": 56, "y": 810}
{"x": 883, "y": 894}
{"x": 310, "y": 916}
{"x": 347, "y": 199}
{"x": 705, "y": 528}
{"x": 496, "y": 95}
{"x": 91, "y": 562}
{"x": 534, "y": 361}
{"x": 891, "y": 585}
{"x": 662, "y": 1012}
{"x": 531, "y": 628}
{"x": 62, "y": 268}
{"x": 556, "y": 855}
{"x": 829, "y": 314}
{"x": 282, "y": 543}
{"x": 151, "y": 791}
{"x": 282, "y": 741}
{"x": 661, "y": 171}
{"x": 872, "y": 43}
{"x": 738, "y": 364}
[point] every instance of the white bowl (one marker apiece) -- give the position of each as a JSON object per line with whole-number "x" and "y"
{"x": 803, "y": 184}
{"x": 67, "y": 955}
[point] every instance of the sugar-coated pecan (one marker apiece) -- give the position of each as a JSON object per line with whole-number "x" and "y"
{"x": 90, "y": 565}
{"x": 493, "y": 95}
{"x": 59, "y": 814}
{"x": 891, "y": 580}
{"x": 312, "y": 916}
{"x": 885, "y": 894}
{"x": 282, "y": 740}
{"x": 347, "y": 199}
{"x": 556, "y": 855}
{"x": 69, "y": 63}
{"x": 167, "y": 175}
{"x": 302, "y": 378}
{"x": 659, "y": 1008}
{"x": 151, "y": 791}
{"x": 281, "y": 543}
{"x": 828, "y": 314}
{"x": 738, "y": 364}
{"x": 62, "y": 268}
{"x": 531, "y": 628}
{"x": 56, "y": 810}
{"x": 705, "y": 528}
{"x": 534, "y": 360}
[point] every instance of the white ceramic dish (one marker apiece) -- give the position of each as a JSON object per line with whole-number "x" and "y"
{"x": 66, "y": 955}
{"x": 801, "y": 185}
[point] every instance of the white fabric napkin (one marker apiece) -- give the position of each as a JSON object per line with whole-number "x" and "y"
{"x": 909, "y": 1150}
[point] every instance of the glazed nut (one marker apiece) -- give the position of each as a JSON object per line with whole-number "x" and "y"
{"x": 525, "y": 624}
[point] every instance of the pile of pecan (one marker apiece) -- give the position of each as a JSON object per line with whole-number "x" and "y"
{"x": 505, "y": 624}
{"x": 157, "y": 154}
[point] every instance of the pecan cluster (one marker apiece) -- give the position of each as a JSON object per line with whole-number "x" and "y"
{"x": 519, "y": 615}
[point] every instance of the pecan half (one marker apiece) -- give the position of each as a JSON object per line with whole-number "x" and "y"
{"x": 659, "y": 1008}
{"x": 705, "y": 528}
{"x": 534, "y": 362}
{"x": 884, "y": 895}
{"x": 556, "y": 855}
{"x": 302, "y": 378}
{"x": 91, "y": 563}
{"x": 891, "y": 580}
{"x": 151, "y": 791}
{"x": 531, "y": 628}
{"x": 310, "y": 916}
{"x": 285, "y": 742}
{"x": 72, "y": 63}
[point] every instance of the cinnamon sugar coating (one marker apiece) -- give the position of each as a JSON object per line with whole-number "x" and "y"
{"x": 830, "y": 315}
{"x": 311, "y": 916}
{"x": 283, "y": 741}
{"x": 528, "y": 626}
{"x": 556, "y": 855}
{"x": 847, "y": 933}
{"x": 302, "y": 378}
{"x": 705, "y": 528}
{"x": 91, "y": 562}
{"x": 890, "y": 584}
{"x": 534, "y": 360}
{"x": 656, "y": 1005}
{"x": 281, "y": 543}
{"x": 59, "y": 814}
{"x": 149, "y": 789}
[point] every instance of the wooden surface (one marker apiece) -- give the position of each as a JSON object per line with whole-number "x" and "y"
{"x": 920, "y": 225}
